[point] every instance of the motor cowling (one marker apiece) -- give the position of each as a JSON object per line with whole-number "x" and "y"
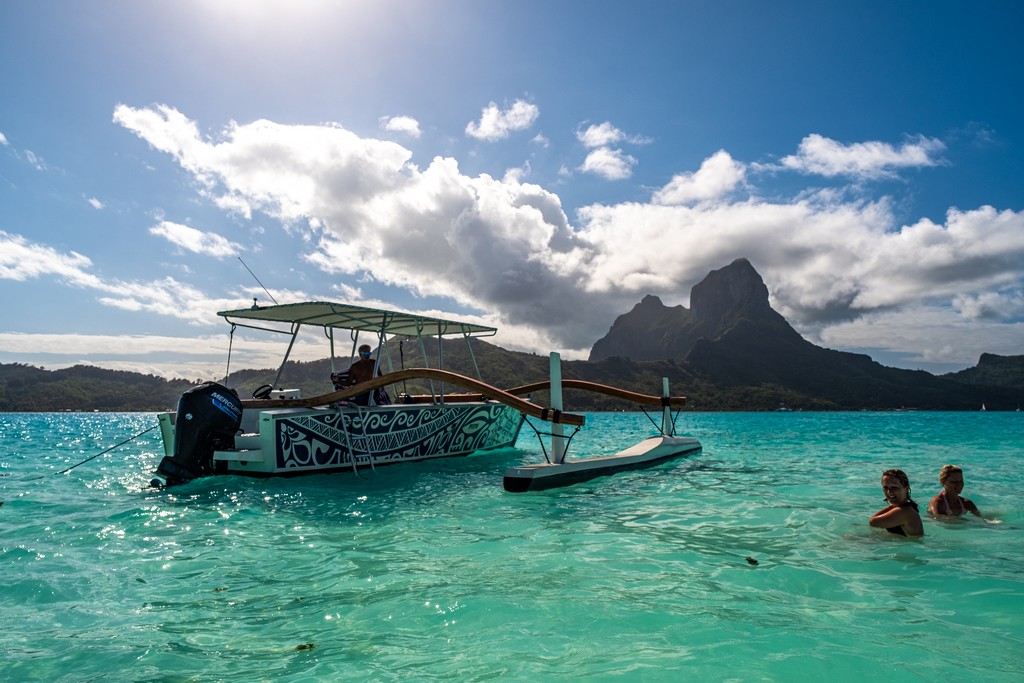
{"x": 208, "y": 418}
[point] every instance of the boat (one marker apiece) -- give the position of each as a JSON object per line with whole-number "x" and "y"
{"x": 278, "y": 432}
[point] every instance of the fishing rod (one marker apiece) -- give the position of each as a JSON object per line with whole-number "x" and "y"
{"x": 257, "y": 280}
{"x": 131, "y": 438}
{"x": 68, "y": 469}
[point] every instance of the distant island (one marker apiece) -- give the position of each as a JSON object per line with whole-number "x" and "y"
{"x": 729, "y": 351}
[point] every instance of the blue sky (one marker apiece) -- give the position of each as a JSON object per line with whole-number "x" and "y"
{"x": 538, "y": 166}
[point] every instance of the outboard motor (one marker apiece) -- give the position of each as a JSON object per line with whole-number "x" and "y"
{"x": 208, "y": 418}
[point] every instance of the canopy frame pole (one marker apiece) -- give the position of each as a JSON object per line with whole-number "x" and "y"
{"x": 426, "y": 358}
{"x": 295, "y": 334}
{"x": 231, "y": 343}
{"x": 440, "y": 362}
{"x": 469, "y": 338}
{"x": 329, "y": 331}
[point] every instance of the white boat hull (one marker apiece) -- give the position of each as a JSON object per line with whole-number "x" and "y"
{"x": 296, "y": 441}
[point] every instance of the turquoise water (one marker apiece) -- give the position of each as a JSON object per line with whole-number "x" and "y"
{"x": 433, "y": 572}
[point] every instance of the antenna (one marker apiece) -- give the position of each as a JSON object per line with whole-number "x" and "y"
{"x": 257, "y": 280}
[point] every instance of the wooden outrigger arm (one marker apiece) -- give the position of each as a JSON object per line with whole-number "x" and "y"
{"x": 485, "y": 390}
{"x": 584, "y": 385}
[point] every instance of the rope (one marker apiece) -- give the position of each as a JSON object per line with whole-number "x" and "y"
{"x": 539, "y": 434}
{"x": 675, "y": 416}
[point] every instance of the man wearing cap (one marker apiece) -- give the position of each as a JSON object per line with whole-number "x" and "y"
{"x": 361, "y": 371}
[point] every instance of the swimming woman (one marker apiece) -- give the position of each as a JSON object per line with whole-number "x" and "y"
{"x": 900, "y": 516}
{"x": 949, "y": 502}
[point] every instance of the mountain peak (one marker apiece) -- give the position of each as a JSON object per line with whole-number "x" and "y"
{"x": 728, "y": 291}
{"x": 653, "y": 331}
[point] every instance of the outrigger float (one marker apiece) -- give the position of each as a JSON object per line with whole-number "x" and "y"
{"x": 277, "y": 432}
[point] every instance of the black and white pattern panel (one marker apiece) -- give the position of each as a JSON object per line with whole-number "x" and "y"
{"x": 394, "y": 434}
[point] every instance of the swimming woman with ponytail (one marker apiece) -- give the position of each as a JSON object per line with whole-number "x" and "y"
{"x": 900, "y": 516}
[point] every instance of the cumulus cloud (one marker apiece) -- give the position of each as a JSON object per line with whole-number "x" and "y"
{"x": 867, "y": 160}
{"x": 604, "y": 160}
{"x": 718, "y": 175}
{"x": 506, "y": 246}
{"x": 3, "y": 139}
{"x": 496, "y": 123}
{"x": 610, "y": 164}
{"x": 95, "y": 203}
{"x": 196, "y": 241}
{"x": 401, "y": 124}
{"x": 286, "y": 170}
{"x": 605, "y": 135}
{"x": 991, "y": 305}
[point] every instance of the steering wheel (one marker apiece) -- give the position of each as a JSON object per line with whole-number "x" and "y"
{"x": 263, "y": 391}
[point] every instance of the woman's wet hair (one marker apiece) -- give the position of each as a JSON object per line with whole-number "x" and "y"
{"x": 948, "y": 470}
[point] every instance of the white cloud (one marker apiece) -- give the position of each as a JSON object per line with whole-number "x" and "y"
{"x": 718, "y": 174}
{"x": 497, "y": 124}
{"x": 35, "y": 160}
{"x": 191, "y": 357}
{"x": 604, "y": 160}
{"x": 401, "y": 124}
{"x": 600, "y": 135}
{"x": 22, "y": 260}
{"x": 3, "y": 139}
{"x": 196, "y": 241}
{"x": 95, "y": 203}
{"x": 290, "y": 172}
{"x": 611, "y": 164}
{"x": 926, "y": 335}
{"x": 990, "y": 305}
{"x": 506, "y": 246}
{"x": 605, "y": 135}
{"x": 867, "y": 160}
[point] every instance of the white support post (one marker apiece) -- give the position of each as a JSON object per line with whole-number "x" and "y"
{"x": 666, "y": 410}
{"x": 557, "y": 433}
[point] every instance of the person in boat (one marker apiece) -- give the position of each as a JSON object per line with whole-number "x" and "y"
{"x": 949, "y": 502}
{"x": 901, "y": 515}
{"x": 361, "y": 371}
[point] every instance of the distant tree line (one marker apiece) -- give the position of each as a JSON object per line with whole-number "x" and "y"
{"x": 997, "y": 380}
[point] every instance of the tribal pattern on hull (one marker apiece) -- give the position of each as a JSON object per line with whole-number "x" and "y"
{"x": 392, "y": 435}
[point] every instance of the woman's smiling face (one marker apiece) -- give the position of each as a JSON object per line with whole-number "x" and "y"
{"x": 894, "y": 490}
